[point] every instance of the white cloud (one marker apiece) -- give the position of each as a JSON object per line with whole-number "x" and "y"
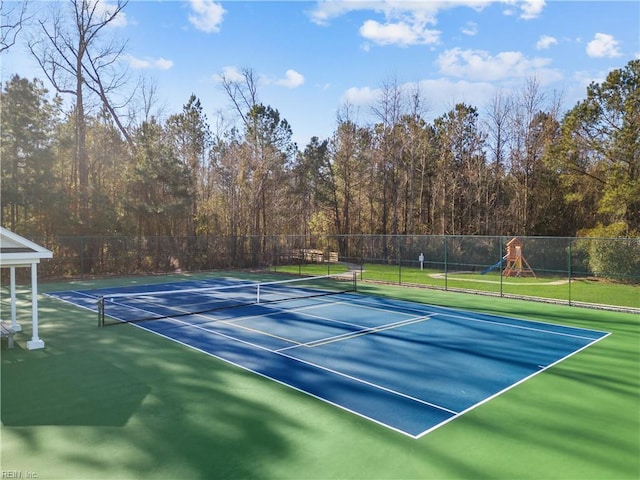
{"x": 603, "y": 45}
{"x": 585, "y": 78}
{"x": 292, "y": 79}
{"x": 405, "y": 22}
{"x": 531, "y": 9}
{"x": 149, "y": 63}
{"x": 325, "y": 11}
{"x": 230, "y": 73}
{"x": 399, "y": 33}
{"x": 361, "y": 96}
{"x": 545, "y": 42}
{"x": 207, "y": 15}
{"x": 440, "y": 95}
{"x": 480, "y": 65}
{"x": 470, "y": 28}
{"x": 105, "y": 9}
{"x": 427, "y": 11}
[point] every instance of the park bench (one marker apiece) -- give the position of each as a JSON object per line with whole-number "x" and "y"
{"x": 7, "y": 331}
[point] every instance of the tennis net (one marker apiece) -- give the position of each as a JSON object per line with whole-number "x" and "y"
{"x": 142, "y": 306}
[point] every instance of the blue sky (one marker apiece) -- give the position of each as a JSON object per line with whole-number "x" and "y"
{"x": 314, "y": 57}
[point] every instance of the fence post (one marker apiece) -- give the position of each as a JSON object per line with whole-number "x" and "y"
{"x": 501, "y": 267}
{"x": 82, "y": 258}
{"x": 446, "y": 265}
{"x": 399, "y": 260}
{"x": 569, "y": 270}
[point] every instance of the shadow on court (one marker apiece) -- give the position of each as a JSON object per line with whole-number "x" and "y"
{"x": 120, "y": 403}
{"x": 69, "y": 389}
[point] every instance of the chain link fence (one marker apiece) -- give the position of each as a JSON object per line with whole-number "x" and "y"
{"x": 601, "y": 272}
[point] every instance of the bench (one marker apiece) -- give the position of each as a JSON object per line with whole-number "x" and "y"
{"x": 6, "y": 331}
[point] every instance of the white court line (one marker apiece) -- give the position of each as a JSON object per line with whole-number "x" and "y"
{"x": 358, "y": 333}
{"x": 321, "y": 367}
{"x": 522, "y": 327}
{"x": 513, "y": 385}
{"x": 79, "y": 292}
{"x": 469, "y": 314}
{"x": 237, "y": 322}
{"x": 455, "y": 414}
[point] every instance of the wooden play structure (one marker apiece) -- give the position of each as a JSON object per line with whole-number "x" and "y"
{"x": 516, "y": 264}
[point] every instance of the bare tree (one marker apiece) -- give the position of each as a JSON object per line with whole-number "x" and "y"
{"x": 73, "y": 55}
{"x": 497, "y": 123}
{"x": 12, "y": 20}
{"x": 243, "y": 92}
{"x": 269, "y": 150}
{"x": 145, "y": 103}
{"x": 526, "y": 150}
{"x": 388, "y": 110}
{"x": 416, "y": 142}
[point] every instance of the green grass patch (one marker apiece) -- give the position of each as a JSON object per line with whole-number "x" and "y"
{"x": 119, "y": 402}
{"x": 556, "y": 288}
{"x": 315, "y": 269}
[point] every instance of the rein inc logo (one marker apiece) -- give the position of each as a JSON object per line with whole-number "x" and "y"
{"x": 18, "y": 474}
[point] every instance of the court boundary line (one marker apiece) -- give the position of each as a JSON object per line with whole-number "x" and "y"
{"x": 522, "y": 327}
{"x": 358, "y": 300}
{"x": 469, "y": 316}
{"x": 306, "y": 392}
{"x": 237, "y": 322}
{"x": 359, "y": 333}
{"x": 276, "y": 352}
{"x": 64, "y": 300}
{"x": 345, "y": 375}
{"x": 519, "y": 382}
{"x": 280, "y": 382}
{"x": 455, "y": 414}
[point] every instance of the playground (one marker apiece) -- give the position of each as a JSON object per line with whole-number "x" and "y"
{"x": 514, "y": 262}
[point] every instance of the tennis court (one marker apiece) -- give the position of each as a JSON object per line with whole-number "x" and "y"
{"x": 407, "y": 366}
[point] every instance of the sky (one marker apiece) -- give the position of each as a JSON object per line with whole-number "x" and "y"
{"x": 313, "y": 58}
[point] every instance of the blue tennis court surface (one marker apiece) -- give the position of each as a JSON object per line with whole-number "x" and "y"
{"x": 410, "y": 367}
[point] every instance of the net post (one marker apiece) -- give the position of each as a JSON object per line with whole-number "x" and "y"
{"x": 355, "y": 285}
{"x": 258, "y": 293}
{"x": 101, "y": 312}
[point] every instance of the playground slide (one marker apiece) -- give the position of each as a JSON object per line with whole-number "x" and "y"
{"x": 494, "y": 266}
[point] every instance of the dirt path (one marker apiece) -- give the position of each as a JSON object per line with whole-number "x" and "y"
{"x": 441, "y": 276}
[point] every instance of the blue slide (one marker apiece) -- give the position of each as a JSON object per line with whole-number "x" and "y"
{"x": 494, "y": 266}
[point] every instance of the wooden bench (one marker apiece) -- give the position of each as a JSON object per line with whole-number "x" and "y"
{"x": 7, "y": 331}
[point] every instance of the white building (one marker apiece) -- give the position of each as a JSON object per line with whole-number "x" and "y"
{"x": 18, "y": 252}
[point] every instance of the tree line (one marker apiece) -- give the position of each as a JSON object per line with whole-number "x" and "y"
{"x": 519, "y": 167}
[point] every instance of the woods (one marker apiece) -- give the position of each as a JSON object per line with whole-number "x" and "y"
{"x": 519, "y": 167}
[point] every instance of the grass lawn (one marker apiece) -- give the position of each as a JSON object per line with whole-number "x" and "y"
{"x": 312, "y": 268}
{"x": 121, "y": 403}
{"x": 578, "y": 290}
